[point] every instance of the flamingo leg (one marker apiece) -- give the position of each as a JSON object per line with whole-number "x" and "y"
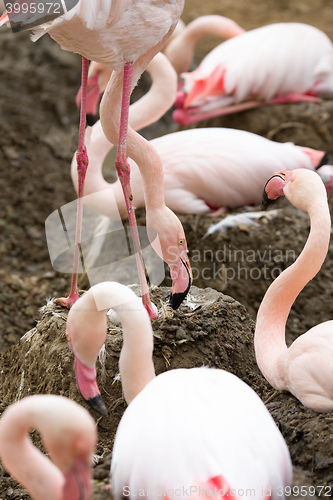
{"x": 82, "y": 165}
{"x": 193, "y": 115}
{"x": 123, "y": 170}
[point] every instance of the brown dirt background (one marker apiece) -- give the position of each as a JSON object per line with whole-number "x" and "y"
{"x": 38, "y": 131}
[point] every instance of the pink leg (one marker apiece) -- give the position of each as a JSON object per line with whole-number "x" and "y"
{"x": 294, "y": 97}
{"x": 193, "y": 115}
{"x": 82, "y": 165}
{"x": 123, "y": 170}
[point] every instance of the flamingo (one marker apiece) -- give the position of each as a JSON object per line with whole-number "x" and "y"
{"x": 206, "y": 171}
{"x": 68, "y": 433}
{"x": 278, "y": 63}
{"x": 103, "y": 31}
{"x": 305, "y": 368}
{"x": 198, "y": 427}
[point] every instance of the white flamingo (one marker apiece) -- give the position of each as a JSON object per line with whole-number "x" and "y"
{"x": 198, "y": 427}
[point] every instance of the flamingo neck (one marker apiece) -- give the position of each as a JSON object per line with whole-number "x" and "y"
{"x": 210, "y": 25}
{"x": 159, "y": 98}
{"x": 88, "y": 332}
{"x": 136, "y": 358}
{"x": 140, "y": 150}
{"x": 269, "y": 340}
{"x": 25, "y": 462}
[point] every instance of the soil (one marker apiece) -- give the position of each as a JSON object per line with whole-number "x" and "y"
{"x": 38, "y": 135}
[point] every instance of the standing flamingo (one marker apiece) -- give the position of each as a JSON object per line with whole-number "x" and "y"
{"x": 205, "y": 170}
{"x": 180, "y": 50}
{"x": 278, "y": 63}
{"x": 103, "y": 31}
{"x": 305, "y": 368}
{"x": 184, "y": 428}
{"x": 68, "y": 433}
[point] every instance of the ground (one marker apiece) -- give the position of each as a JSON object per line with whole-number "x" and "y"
{"x": 38, "y": 133}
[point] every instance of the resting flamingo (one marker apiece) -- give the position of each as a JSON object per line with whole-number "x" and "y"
{"x": 103, "y": 31}
{"x": 68, "y": 433}
{"x": 204, "y": 427}
{"x": 205, "y": 170}
{"x": 278, "y": 63}
{"x": 305, "y": 368}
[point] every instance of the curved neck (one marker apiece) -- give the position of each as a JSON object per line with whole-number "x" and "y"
{"x": 220, "y": 26}
{"x": 87, "y": 331}
{"x": 140, "y": 150}
{"x": 269, "y": 341}
{"x": 159, "y": 98}
{"x": 142, "y": 113}
{"x": 25, "y": 462}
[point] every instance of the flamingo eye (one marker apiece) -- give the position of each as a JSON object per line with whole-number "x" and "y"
{"x": 181, "y": 242}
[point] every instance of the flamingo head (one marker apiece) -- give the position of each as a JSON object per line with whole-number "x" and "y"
{"x": 70, "y": 440}
{"x": 85, "y": 347}
{"x": 78, "y": 481}
{"x": 172, "y": 248}
{"x": 300, "y": 186}
{"x": 98, "y": 77}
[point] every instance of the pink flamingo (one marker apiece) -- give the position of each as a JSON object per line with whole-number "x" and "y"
{"x": 278, "y": 63}
{"x": 68, "y": 433}
{"x": 180, "y": 50}
{"x": 99, "y": 75}
{"x": 205, "y": 170}
{"x": 103, "y": 32}
{"x": 190, "y": 420}
{"x": 305, "y": 368}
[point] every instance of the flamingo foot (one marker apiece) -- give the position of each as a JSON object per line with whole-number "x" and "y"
{"x": 294, "y": 97}
{"x": 217, "y": 212}
{"x": 67, "y": 301}
{"x": 193, "y": 115}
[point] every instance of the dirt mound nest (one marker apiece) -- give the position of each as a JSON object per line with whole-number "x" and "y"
{"x": 209, "y": 329}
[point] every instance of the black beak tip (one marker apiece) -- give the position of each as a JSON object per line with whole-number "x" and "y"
{"x": 98, "y": 405}
{"x": 265, "y": 201}
{"x": 91, "y": 119}
{"x": 176, "y": 299}
{"x": 324, "y": 161}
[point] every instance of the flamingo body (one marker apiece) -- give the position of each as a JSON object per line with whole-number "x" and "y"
{"x": 90, "y": 26}
{"x": 185, "y": 427}
{"x": 204, "y": 169}
{"x": 305, "y": 368}
{"x": 192, "y": 423}
{"x": 284, "y": 59}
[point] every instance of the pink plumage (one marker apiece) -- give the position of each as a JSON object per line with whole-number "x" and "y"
{"x": 284, "y": 62}
{"x": 305, "y": 368}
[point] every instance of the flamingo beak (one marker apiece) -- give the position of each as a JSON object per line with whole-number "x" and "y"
{"x": 181, "y": 281}
{"x": 87, "y": 386}
{"x": 93, "y": 95}
{"x": 274, "y": 188}
{"x": 78, "y": 481}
